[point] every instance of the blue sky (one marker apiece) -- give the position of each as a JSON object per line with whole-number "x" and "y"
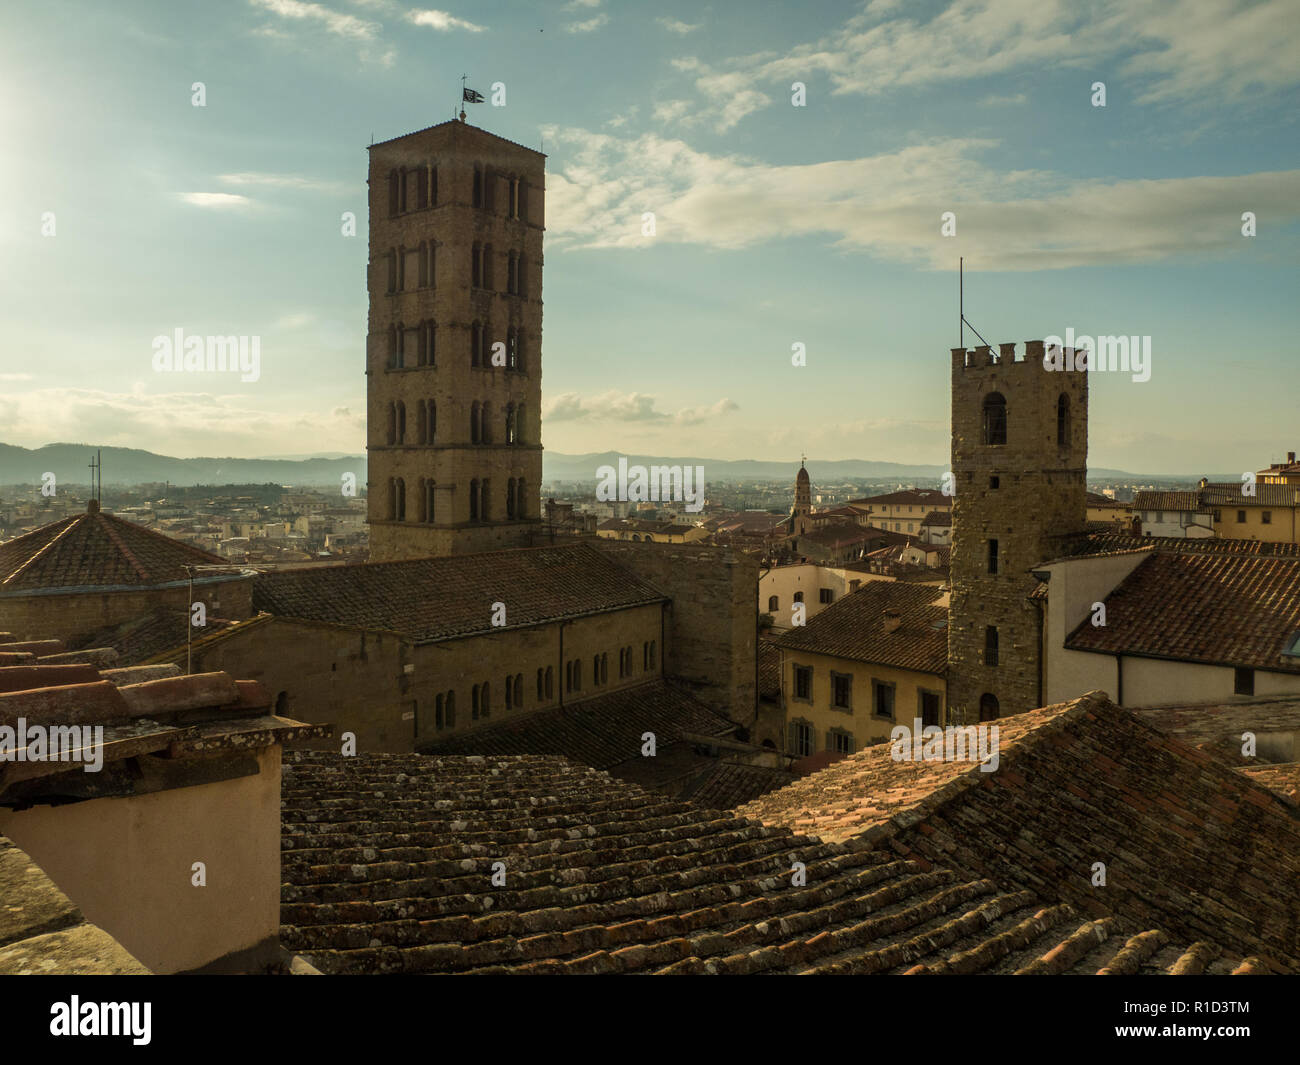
{"x": 775, "y": 224}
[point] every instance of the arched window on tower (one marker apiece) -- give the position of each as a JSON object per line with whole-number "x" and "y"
{"x": 995, "y": 418}
{"x": 485, "y": 424}
{"x": 510, "y": 498}
{"x": 473, "y": 500}
{"x": 474, "y": 420}
{"x": 392, "y": 347}
{"x": 393, "y": 179}
{"x": 401, "y": 499}
{"x": 401, "y": 422}
{"x": 521, "y": 510}
{"x": 422, "y": 423}
{"x": 487, "y": 266}
{"x": 392, "y": 424}
{"x": 432, "y": 434}
{"x": 484, "y": 511}
{"x": 478, "y": 187}
{"x": 1063, "y": 420}
{"x": 476, "y": 266}
{"x": 510, "y": 423}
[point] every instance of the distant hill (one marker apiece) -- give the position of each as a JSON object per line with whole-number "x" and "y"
{"x": 560, "y": 467}
{"x": 129, "y": 466}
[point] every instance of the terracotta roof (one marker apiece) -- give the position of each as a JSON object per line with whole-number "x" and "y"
{"x": 388, "y": 865}
{"x": 840, "y": 535}
{"x": 177, "y": 714}
{"x": 854, "y": 628}
{"x": 1095, "y": 499}
{"x": 1238, "y": 610}
{"x": 938, "y": 519}
{"x": 1266, "y": 495}
{"x": 146, "y": 637}
{"x": 1192, "y": 846}
{"x": 1175, "y": 501}
{"x": 1283, "y": 779}
{"x": 909, "y": 497}
{"x": 1103, "y": 540}
{"x": 95, "y": 550}
{"x": 1213, "y": 722}
{"x": 433, "y": 599}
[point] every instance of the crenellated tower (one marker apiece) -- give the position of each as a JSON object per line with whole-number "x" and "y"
{"x": 1020, "y": 460}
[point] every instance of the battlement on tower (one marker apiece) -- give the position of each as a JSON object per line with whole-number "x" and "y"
{"x": 983, "y": 356}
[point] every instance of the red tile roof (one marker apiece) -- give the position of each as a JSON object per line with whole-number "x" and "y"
{"x": 1191, "y": 845}
{"x": 95, "y": 549}
{"x": 853, "y": 628}
{"x": 433, "y": 599}
{"x": 1238, "y": 610}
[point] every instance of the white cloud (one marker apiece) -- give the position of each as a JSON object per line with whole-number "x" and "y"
{"x": 442, "y": 21}
{"x": 625, "y": 407}
{"x": 333, "y": 21}
{"x": 671, "y": 110}
{"x": 674, "y": 25}
{"x": 1005, "y": 101}
{"x": 177, "y": 423}
{"x": 587, "y": 25}
{"x": 890, "y": 204}
{"x": 215, "y": 199}
{"x": 1210, "y": 52}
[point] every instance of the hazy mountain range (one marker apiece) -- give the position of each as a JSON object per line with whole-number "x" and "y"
{"x": 130, "y": 466}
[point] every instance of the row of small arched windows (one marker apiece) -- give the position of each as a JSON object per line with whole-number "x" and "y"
{"x": 426, "y": 423}
{"x": 479, "y": 499}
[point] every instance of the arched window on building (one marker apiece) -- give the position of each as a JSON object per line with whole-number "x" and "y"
{"x": 401, "y": 422}
{"x": 521, "y": 500}
{"x": 484, "y": 510}
{"x": 401, "y": 499}
{"x": 510, "y": 424}
{"x": 510, "y": 498}
{"x": 988, "y": 707}
{"x": 773, "y": 604}
{"x": 1063, "y": 420}
{"x": 392, "y": 424}
{"x": 473, "y": 500}
{"x": 431, "y": 434}
{"x": 485, "y": 424}
{"x": 421, "y": 423}
{"x": 474, "y": 421}
{"x": 995, "y": 418}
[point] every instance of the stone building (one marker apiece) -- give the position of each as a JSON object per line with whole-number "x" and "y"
{"x": 1019, "y": 455}
{"x": 453, "y": 357}
{"x": 78, "y": 576}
